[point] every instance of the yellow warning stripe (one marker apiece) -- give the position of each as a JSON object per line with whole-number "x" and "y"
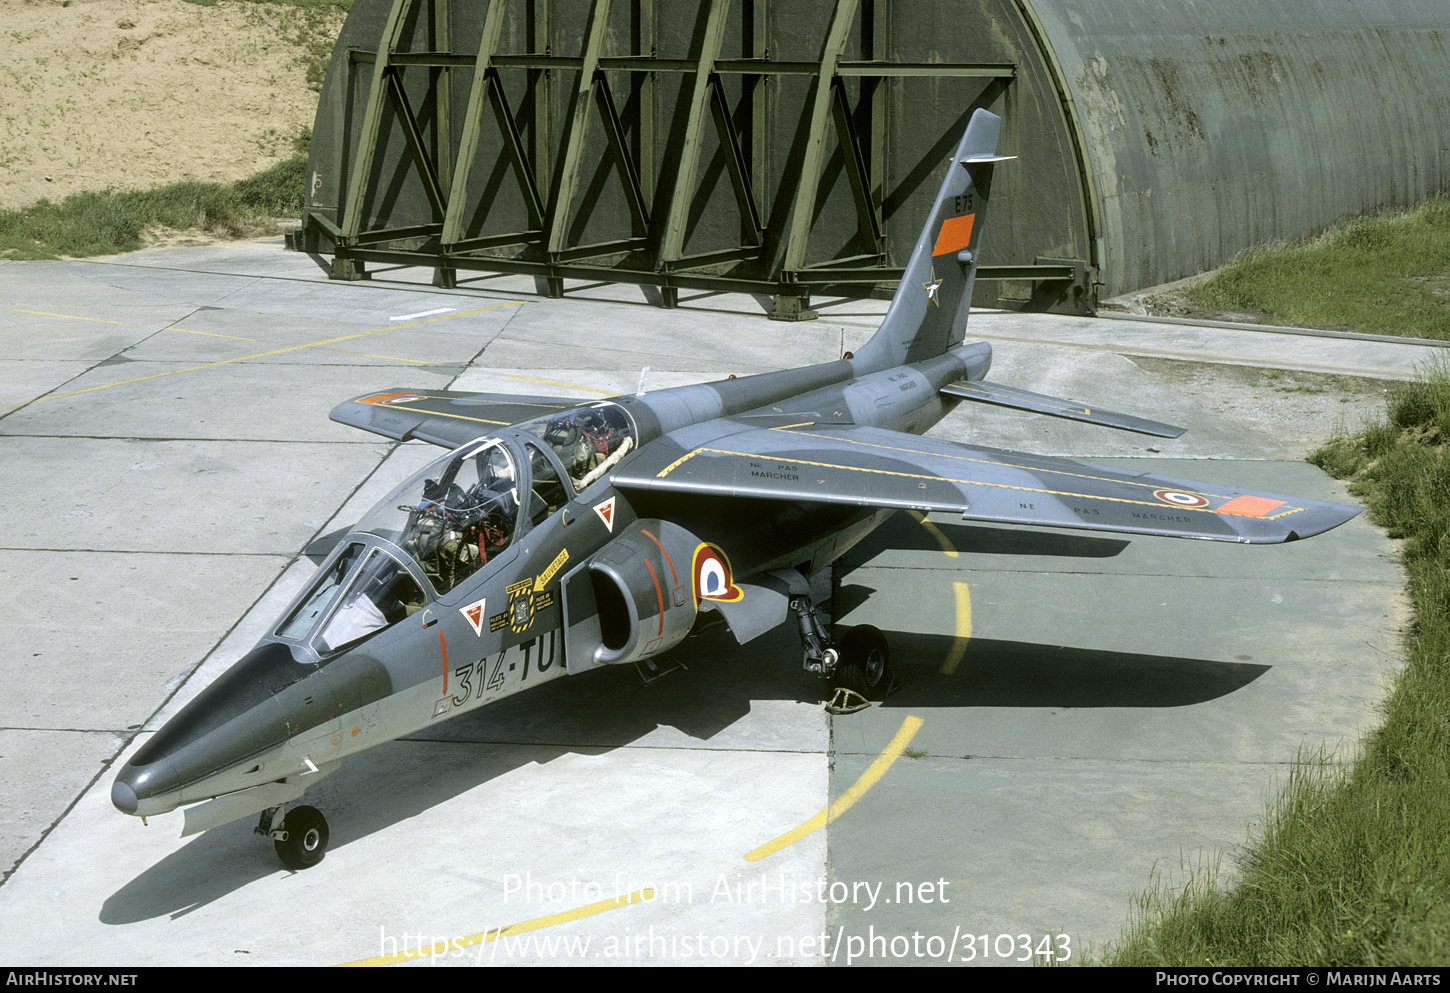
{"x": 868, "y": 779}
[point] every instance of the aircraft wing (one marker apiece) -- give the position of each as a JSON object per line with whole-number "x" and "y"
{"x": 873, "y": 467}
{"x": 442, "y": 417}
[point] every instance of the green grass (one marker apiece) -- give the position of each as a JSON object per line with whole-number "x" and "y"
{"x": 88, "y": 224}
{"x": 1353, "y": 868}
{"x": 1384, "y": 275}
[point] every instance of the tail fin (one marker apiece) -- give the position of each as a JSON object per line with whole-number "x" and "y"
{"x": 929, "y": 312}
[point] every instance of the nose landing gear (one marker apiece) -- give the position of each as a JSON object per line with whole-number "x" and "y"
{"x": 300, "y": 835}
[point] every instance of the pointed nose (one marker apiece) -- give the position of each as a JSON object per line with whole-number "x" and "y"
{"x": 123, "y": 796}
{"x": 236, "y": 716}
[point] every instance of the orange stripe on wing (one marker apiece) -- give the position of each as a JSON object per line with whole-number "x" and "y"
{"x": 956, "y": 234}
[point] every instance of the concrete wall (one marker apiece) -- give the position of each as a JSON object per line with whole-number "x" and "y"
{"x": 1212, "y": 127}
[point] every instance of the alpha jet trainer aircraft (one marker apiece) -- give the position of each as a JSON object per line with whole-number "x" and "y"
{"x": 558, "y": 536}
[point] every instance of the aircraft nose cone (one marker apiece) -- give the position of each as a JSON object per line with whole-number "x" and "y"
{"x": 123, "y": 796}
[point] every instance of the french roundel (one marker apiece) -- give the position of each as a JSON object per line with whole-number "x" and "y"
{"x": 712, "y": 576}
{"x": 1180, "y": 499}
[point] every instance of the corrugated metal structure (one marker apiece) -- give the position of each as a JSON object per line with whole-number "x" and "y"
{"x": 780, "y": 148}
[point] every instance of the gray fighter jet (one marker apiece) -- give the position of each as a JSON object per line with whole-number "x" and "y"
{"x": 557, "y": 536}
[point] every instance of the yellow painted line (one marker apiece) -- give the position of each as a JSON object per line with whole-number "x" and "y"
{"x": 564, "y": 917}
{"x": 456, "y": 417}
{"x": 211, "y": 334}
{"x": 941, "y": 539}
{"x": 567, "y": 386}
{"x": 868, "y": 779}
{"x": 963, "y": 598}
{"x": 370, "y": 355}
{"x": 964, "y": 629}
{"x": 258, "y": 355}
{"x": 685, "y": 458}
{"x": 994, "y": 462}
{"x": 71, "y": 317}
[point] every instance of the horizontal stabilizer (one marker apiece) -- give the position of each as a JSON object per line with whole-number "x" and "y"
{"x": 1011, "y": 396}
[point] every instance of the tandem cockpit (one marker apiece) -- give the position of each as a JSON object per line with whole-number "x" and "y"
{"x": 450, "y": 522}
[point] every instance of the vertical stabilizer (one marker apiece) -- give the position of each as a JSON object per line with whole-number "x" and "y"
{"x": 929, "y": 312}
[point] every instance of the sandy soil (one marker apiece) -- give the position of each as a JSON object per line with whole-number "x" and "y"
{"x": 130, "y": 94}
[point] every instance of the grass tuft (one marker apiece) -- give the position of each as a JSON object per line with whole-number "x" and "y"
{"x": 90, "y": 224}
{"x": 1384, "y": 275}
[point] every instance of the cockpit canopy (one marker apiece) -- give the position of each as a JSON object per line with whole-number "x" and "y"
{"x": 451, "y": 519}
{"x": 588, "y": 440}
{"x": 456, "y": 514}
{"x": 372, "y": 590}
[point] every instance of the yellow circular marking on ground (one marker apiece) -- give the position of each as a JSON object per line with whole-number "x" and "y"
{"x": 963, "y": 598}
{"x": 868, "y": 779}
{"x": 455, "y": 945}
{"x": 964, "y": 629}
{"x": 936, "y": 532}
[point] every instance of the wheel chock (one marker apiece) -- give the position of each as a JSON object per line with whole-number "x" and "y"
{"x": 846, "y": 701}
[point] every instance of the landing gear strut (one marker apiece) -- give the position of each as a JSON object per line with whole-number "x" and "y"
{"x": 858, "y": 666}
{"x": 300, "y": 835}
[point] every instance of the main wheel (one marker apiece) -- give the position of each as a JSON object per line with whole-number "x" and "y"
{"x": 306, "y": 838}
{"x": 865, "y": 665}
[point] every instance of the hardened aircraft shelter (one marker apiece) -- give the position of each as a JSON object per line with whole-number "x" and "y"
{"x": 780, "y": 149}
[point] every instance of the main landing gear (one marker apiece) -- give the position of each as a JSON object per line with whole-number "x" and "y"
{"x": 300, "y": 835}
{"x": 858, "y": 666}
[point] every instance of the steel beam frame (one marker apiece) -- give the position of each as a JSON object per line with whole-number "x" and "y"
{"x": 655, "y": 251}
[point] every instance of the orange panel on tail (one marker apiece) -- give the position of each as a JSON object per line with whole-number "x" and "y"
{"x": 956, "y": 234}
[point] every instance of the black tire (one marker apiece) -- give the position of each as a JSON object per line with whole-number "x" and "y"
{"x": 306, "y": 838}
{"x": 865, "y": 665}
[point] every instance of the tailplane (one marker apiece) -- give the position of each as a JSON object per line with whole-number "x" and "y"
{"x": 929, "y": 312}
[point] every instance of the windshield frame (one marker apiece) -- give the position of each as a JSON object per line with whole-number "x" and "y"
{"x": 330, "y": 592}
{"x": 587, "y": 440}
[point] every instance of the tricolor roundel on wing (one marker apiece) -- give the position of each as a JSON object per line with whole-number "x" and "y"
{"x": 1177, "y": 498}
{"x": 713, "y": 578}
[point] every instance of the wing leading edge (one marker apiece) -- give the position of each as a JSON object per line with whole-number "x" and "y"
{"x": 872, "y": 467}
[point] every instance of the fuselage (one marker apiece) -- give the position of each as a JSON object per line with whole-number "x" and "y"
{"x": 448, "y": 596}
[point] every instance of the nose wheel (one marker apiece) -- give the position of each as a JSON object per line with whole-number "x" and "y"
{"x": 858, "y": 666}
{"x": 299, "y": 835}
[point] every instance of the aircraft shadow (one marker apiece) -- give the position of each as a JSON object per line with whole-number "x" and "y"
{"x": 1020, "y": 674}
{"x": 580, "y": 715}
{"x": 611, "y": 708}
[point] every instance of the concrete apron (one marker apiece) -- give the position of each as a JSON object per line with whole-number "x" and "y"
{"x": 1077, "y": 713}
